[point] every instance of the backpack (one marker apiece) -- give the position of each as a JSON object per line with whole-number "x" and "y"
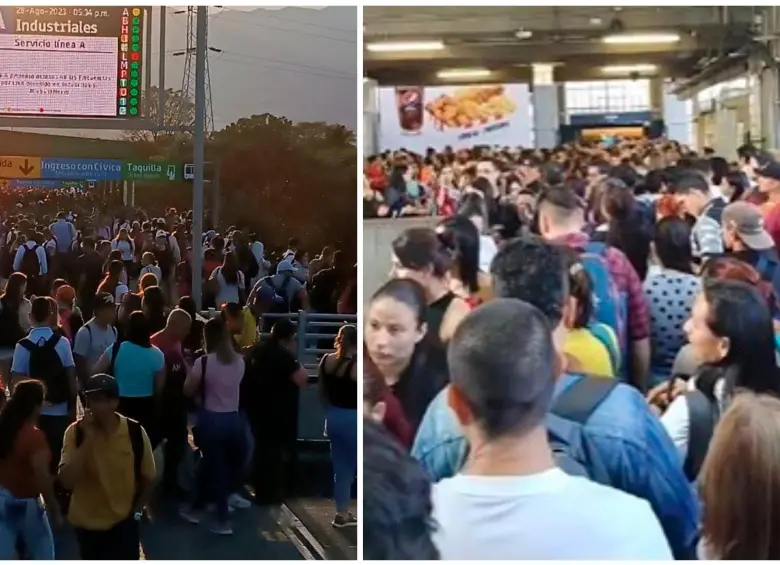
{"x": 572, "y": 450}
{"x": 135, "y": 431}
{"x": 31, "y": 265}
{"x": 610, "y": 307}
{"x": 703, "y": 415}
{"x": 601, "y": 333}
{"x": 46, "y": 366}
{"x": 114, "y": 353}
{"x": 281, "y": 304}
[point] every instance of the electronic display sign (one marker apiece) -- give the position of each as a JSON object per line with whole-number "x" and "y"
{"x": 83, "y": 62}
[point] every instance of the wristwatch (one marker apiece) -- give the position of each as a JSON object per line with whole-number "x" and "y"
{"x": 137, "y": 516}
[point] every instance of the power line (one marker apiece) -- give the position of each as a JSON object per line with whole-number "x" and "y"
{"x": 306, "y": 33}
{"x": 254, "y": 65}
{"x": 316, "y": 68}
{"x": 274, "y": 16}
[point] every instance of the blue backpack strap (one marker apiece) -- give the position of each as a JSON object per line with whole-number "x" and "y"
{"x": 601, "y": 333}
{"x": 578, "y": 402}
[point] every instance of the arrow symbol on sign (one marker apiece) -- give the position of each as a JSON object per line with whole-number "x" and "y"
{"x": 27, "y": 169}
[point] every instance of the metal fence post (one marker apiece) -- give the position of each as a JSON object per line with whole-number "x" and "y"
{"x": 300, "y": 331}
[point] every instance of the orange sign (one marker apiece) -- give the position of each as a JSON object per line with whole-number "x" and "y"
{"x": 20, "y": 167}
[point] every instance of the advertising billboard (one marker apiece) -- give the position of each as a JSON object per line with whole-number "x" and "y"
{"x": 415, "y": 117}
{"x": 71, "y": 61}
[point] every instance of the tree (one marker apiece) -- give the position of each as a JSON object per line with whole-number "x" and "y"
{"x": 178, "y": 112}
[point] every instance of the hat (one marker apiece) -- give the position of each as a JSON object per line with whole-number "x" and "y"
{"x": 102, "y": 384}
{"x": 749, "y": 223}
{"x": 66, "y": 293}
{"x": 160, "y": 233}
{"x": 769, "y": 169}
{"x": 103, "y": 300}
{"x": 285, "y": 267}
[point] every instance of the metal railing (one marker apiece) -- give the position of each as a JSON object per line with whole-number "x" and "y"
{"x": 316, "y": 329}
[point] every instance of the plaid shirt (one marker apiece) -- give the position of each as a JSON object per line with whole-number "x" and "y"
{"x": 626, "y": 280}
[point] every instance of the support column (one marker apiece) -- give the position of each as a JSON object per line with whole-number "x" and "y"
{"x": 370, "y": 117}
{"x": 677, "y": 115}
{"x": 546, "y": 109}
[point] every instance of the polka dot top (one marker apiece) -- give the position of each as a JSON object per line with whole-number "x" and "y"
{"x": 670, "y": 295}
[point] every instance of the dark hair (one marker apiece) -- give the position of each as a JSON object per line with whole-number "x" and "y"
{"x": 131, "y": 302}
{"x": 346, "y": 339}
{"x": 626, "y": 230}
{"x": 12, "y": 292}
{"x": 217, "y": 340}
{"x": 461, "y": 232}
{"x": 738, "y": 183}
{"x": 689, "y": 181}
{"x": 421, "y": 248}
{"x": 473, "y": 205}
{"x": 153, "y": 305}
{"x": 41, "y": 309}
{"x": 57, "y": 284}
{"x": 561, "y": 197}
{"x": 231, "y": 310}
{"x": 407, "y": 292}
{"x": 580, "y": 287}
{"x": 737, "y": 311}
{"x": 282, "y": 330}
{"x": 503, "y": 362}
{"x": 27, "y": 396}
{"x": 397, "y": 503}
{"x": 138, "y": 329}
{"x": 720, "y": 168}
{"x": 187, "y": 303}
{"x": 534, "y": 271}
{"x": 230, "y": 268}
{"x": 673, "y": 244}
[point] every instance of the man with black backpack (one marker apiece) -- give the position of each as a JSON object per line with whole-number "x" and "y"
{"x": 599, "y": 426}
{"x": 292, "y": 295}
{"x": 31, "y": 260}
{"x": 108, "y": 466}
{"x": 46, "y": 356}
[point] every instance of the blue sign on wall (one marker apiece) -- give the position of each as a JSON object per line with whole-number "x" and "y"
{"x": 613, "y": 119}
{"x": 81, "y": 169}
{"x": 49, "y": 184}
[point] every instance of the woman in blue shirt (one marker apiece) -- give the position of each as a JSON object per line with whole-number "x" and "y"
{"x": 139, "y": 370}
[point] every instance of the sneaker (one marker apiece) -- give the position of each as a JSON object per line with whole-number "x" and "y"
{"x": 342, "y": 522}
{"x": 237, "y": 501}
{"x": 190, "y": 515}
{"x": 221, "y": 528}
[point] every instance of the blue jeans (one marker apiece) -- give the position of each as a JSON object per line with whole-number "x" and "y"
{"x": 342, "y": 432}
{"x": 221, "y": 439}
{"x": 25, "y": 519}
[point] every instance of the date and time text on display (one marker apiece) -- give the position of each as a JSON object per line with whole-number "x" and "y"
{"x": 71, "y": 61}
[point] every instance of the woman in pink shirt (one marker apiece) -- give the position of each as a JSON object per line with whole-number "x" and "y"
{"x": 214, "y": 383}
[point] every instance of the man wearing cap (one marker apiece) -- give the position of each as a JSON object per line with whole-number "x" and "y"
{"x": 767, "y": 175}
{"x": 108, "y": 465}
{"x": 745, "y": 236}
{"x": 286, "y": 286}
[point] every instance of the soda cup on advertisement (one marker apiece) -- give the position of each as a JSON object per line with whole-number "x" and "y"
{"x": 409, "y": 101}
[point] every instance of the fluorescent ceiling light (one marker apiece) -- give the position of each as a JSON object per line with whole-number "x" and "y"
{"x": 464, "y": 73}
{"x": 628, "y": 69}
{"x": 406, "y": 46}
{"x": 636, "y": 38}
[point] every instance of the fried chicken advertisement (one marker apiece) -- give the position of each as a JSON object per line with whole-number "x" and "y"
{"x": 470, "y": 107}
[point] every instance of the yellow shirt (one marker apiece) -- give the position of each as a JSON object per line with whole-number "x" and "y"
{"x": 104, "y": 494}
{"x": 248, "y": 335}
{"x": 589, "y": 352}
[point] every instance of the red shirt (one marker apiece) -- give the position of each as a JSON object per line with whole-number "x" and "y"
{"x": 772, "y": 222}
{"x": 16, "y": 471}
{"x": 396, "y": 422}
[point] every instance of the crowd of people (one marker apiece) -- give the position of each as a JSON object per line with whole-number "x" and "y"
{"x": 580, "y": 360}
{"x": 113, "y": 367}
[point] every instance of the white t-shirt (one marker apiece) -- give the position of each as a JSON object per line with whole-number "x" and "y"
{"x": 487, "y": 250}
{"x": 676, "y": 419}
{"x": 121, "y": 290}
{"x": 125, "y": 246}
{"x": 227, "y": 292}
{"x": 547, "y": 516}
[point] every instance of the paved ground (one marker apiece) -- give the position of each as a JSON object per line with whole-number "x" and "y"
{"x": 256, "y": 536}
{"x": 301, "y": 529}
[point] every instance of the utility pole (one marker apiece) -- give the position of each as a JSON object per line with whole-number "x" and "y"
{"x": 198, "y": 151}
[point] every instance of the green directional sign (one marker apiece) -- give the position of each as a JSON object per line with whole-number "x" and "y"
{"x": 151, "y": 171}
